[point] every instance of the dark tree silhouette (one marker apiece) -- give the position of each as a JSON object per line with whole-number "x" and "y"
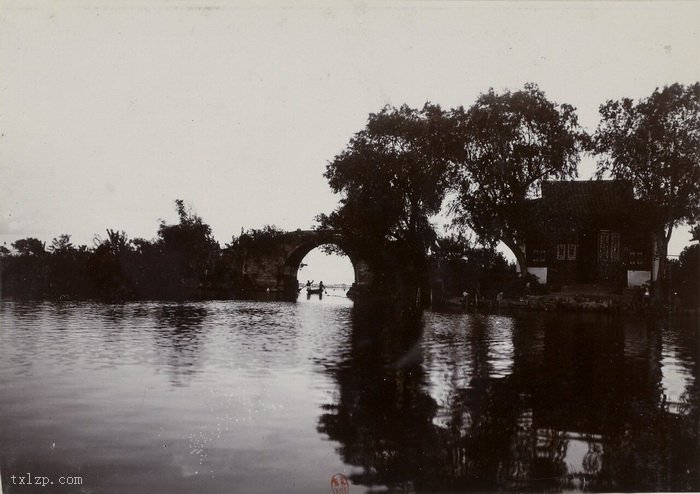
{"x": 392, "y": 179}
{"x": 187, "y": 247}
{"x": 506, "y": 145}
{"x": 60, "y": 244}
{"x": 457, "y": 266}
{"x": 107, "y": 266}
{"x": 29, "y": 246}
{"x": 183, "y": 262}
{"x": 655, "y": 145}
{"x": 685, "y": 276}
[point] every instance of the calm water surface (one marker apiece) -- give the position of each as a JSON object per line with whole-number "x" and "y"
{"x": 251, "y": 397}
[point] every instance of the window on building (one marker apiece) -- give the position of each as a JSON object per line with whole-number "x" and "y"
{"x": 561, "y": 252}
{"x": 539, "y": 256}
{"x": 604, "y": 245}
{"x": 636, "y": 258}
{"x": 608, "y": 246}
{"x": 567, "y": 252}
{"x": 614, "y": 246}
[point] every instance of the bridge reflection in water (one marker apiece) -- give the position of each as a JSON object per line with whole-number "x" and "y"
{"x": 536, "y": 403}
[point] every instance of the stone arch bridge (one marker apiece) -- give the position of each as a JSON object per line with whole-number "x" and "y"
{"x": 277, "y": 269}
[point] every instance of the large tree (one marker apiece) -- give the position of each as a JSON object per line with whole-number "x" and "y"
{"x": 655, "y": 145}
{"x": 188, "y": 246}
{"x": 107, "y": 266}
{"x": 392, "y": 179}
{"x": 506, "y": 145}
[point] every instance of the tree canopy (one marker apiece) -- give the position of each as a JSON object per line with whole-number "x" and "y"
{"x": 505, "y": 146}
{"x": 655, "y": 145}
{"x": 187, "y": 246}
{"x": 61, "y": 244}
{"x": 29, "y": 246}
{"x": 191, "y": 235}
{"x": 392, "y": 178}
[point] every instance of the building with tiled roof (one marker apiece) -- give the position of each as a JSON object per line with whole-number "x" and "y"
{"x": 590, "y": 232}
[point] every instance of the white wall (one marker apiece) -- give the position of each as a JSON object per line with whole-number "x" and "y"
{"x": 541, "y": 273}
{"x": 637, "y": 278}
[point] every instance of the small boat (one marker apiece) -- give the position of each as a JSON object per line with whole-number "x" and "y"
{"x": 314, "y": 291}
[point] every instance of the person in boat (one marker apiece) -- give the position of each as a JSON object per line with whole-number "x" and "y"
{"x": 320, "y": 286}
{"x": 309, "y": 283}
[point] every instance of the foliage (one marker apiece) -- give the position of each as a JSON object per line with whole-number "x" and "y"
{"x": 392, "y": 178}
{"x": 61, "y": 244}
{"x": 263, "y": 241}
{"x": 191, "y": 235}
{"x": 685, "y": 276}
{"x": 29, "y": 247}
{"x": 116, "y": 243}
{"x": 655, "y": 145}
{"x": 460, "y": 266}
{"x": 182, "y": 262}
{"x": 695, "y": 232}
{"x": 256, "y": 243}
{"x": 505, "y": 146}
{"x": 34, "y": 272}
{"x": 451, "y": 247}
{"x": 187, "y": 248}
{"x": 106, "y": 266}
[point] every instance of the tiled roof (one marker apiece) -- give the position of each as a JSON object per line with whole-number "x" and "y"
{"x": 587, "y": 196}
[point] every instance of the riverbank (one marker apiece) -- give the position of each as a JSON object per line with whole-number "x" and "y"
{"x": 573, "y": 303}
{"x": 610, "y": 303}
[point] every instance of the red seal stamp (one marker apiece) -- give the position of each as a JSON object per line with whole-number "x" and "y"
{"x": 340, "y": 484}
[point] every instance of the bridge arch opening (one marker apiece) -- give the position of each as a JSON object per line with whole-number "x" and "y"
{"x": 297, "y": 245}
{"x": 361, "y": 275}
{"x": 333, "y": 268}
{"x": 301, "y": 257}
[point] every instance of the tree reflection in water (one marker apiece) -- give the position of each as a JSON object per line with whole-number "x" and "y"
{"x": 578, "y": 410}
{"x": 381, "y": 398}
{"x": 177, "y": 339}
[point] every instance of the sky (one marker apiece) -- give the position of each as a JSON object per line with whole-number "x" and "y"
{"x": 111, "y": 110}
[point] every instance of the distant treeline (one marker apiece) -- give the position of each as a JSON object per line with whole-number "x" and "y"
{"x": 184, "y": 261}
{"x": 684, "y": 278}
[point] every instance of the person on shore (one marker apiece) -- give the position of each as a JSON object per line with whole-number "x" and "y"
{"x": 646, "y": 297}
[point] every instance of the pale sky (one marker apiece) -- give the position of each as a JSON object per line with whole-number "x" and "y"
{"x": 111, "y": 110}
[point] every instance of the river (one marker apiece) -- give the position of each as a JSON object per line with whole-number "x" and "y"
{"x": 253, "y": 397}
